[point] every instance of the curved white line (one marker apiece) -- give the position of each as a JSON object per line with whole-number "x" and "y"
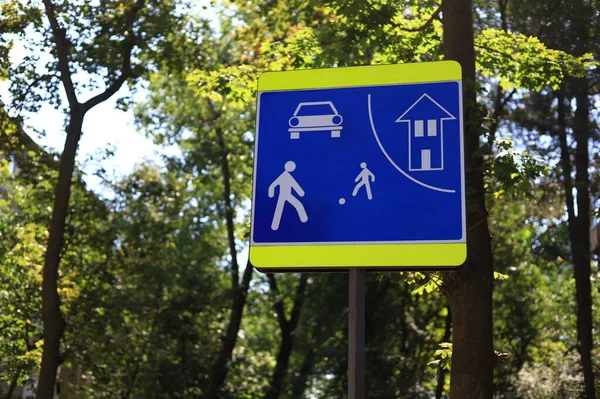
{"x": 444, "y": 190}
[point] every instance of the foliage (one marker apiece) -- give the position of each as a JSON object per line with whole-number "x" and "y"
{"x": 512, "y": 173}
{"x": 163, "y": 303}
{"x": 25, "y": 216}
{"x": 98, "y": 37}
{"x": 21, "y": 256}
{"x": 559, "y": 378}
{"x": 443, "y": 355}
{"x": 146, "y": 279}
{"x": 525, "y": 62}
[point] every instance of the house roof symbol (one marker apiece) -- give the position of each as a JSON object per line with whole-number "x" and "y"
{"x": 425, "y": 108}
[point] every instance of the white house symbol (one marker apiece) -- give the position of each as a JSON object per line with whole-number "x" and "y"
{"x": 425, "y": 119}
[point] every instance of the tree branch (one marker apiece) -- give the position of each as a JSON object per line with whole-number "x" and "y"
{"x": 283, "y": 322}
{"x": 298, "y": 300}
{"x": 500, "y": 102}
{"x": 13, "y": 383}
{"x": 508, "y": 98}
{"x": 126, "y": 65}
{"x": 62, "y": 49}
{"x": 510, "y": 56}
{"x": 229, "y": 211}
{"x": 565, "y": 159}
{"x": 138, "y": 362}
{"x": 426, "y": 24}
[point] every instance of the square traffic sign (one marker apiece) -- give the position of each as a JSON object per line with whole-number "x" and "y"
{"x": 359, "y": 167}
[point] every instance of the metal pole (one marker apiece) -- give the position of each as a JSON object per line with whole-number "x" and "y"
{"x": 356, "y": 334}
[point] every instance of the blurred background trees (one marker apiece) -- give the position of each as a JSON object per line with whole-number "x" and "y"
{"x": 155, "y": 290}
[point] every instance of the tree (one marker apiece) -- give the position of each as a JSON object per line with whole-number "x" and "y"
{"x": 25, "y": 216}
{"x": 112, "y": 52}
{"x": 152, "y": 289}
{"x": 159, "y": 312}
{"x": 211, "y": 132}
{"x": 353, "y": 34}
{"x": 288, "y": 328}
{"x": 20, "y": 260}
{"x": 571, "y": 131}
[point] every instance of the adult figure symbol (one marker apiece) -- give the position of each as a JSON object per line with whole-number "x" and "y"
{"x": 286, "y": 184}
{"x": 363, "y": 180}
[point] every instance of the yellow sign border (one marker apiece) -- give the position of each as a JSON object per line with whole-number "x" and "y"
{"x": 438, "y": 71}
{"x": 345, "y": 255}
{"x": 360, "y": 255}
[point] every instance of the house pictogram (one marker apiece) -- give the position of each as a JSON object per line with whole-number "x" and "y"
{"x": 425, "y": 119}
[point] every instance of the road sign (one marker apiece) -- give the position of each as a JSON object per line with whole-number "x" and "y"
{"x": 359, "y": 167}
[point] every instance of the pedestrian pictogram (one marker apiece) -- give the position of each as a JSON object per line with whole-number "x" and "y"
{"x": 364, "y": 179}
{"x": 286, "y": 184}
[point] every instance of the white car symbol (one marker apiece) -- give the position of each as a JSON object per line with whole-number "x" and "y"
{"x": 315, "y": 116}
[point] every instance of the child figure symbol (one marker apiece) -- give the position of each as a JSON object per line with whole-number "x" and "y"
{"x": 364, "y": 178}
{"x": 286, "y": 184}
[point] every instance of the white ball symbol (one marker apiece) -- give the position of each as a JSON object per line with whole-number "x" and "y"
{"x": 342, "y": 201}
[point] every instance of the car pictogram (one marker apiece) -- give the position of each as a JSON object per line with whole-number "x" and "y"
{"x": 315, "y": 116}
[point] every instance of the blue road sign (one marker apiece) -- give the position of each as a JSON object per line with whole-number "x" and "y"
{"x": 371, "y": 170}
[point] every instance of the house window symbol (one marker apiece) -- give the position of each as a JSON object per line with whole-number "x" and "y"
{"x": 425, "y": 119}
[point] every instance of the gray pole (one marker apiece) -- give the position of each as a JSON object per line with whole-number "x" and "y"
{"x": 356, "y": 334}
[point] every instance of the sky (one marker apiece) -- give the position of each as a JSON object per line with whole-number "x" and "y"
{"x": 104, "y": 127}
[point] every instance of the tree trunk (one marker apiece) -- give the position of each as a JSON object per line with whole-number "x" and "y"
{"x": 469, "y": 289}
{"x": 239, "y": 290}
{"x": 580, "y": 240}
{"x": 13, "y": 384}
{"x": 220, "y": 367}
{"x": 281, "y": 367}
{"x": 579, "y": 224}
{"x": 133, "y": 380}
{"x": 299, "y": 385}
{"x": 439, "y": 391}
{"x": 288, "y": 328}
{"x": 53, "y": 321}
{"x": 317, "y": 338}
{"x": 228, "y": 210}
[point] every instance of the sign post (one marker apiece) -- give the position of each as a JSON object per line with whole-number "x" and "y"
{"x": 356, "y": 334}
{"x": 359, "y": 168}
